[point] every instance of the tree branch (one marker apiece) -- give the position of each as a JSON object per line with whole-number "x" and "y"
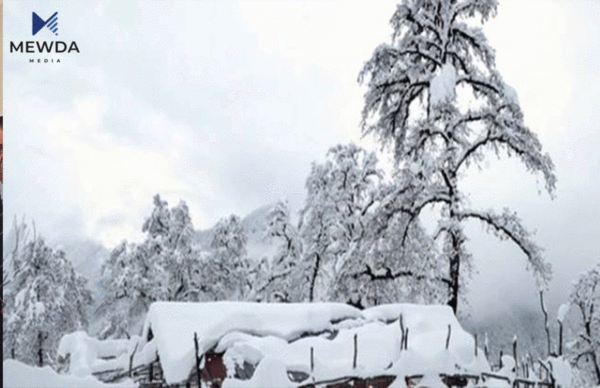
{"x": 508, "y": 226}
{"x": 477, "y": 82}
{"x": 388, "y": 275}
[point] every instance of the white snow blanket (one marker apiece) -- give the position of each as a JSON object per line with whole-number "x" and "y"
{"x": 277, "y": 339}
{"x": 442, "y": 87}
{"x": 87, "y": 354}
{"x": 18, "y": 375}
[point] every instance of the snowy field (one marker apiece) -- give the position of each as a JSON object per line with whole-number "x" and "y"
{"x": 18, "y": 375}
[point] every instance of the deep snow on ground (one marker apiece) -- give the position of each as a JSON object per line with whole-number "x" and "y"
{"x": 18, "y": 375}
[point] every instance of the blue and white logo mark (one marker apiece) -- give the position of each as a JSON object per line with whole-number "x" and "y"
{"x": 37, "y": 23}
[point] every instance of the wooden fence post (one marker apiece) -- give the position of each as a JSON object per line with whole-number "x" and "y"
{"x": 515, "y": 355}
{"x": 448, "y": 337}
{"x": 131, "y": 360}
{"x": 560, "y": 337}
{"x": 312, "y": 359}
{"x": 486, "y": 350}
{"x": 197, "y": 358}
{"x": 355, "y": 351}
{"x": 400, "y": 320}
{"x": 475, "y": 345}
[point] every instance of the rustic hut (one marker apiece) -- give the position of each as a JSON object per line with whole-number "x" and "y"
{"x": 299, "y": 345}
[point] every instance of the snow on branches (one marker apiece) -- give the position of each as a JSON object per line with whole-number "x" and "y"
{"x": 340, "y": 191}
{"x": 162, "y": 267}
{"x": 224, "y": 272}
{"x": 585, "y": 295}
{"x": 283, "y": 278}
{"x": 435, "y": 99}
{"x": 48, "y": 299}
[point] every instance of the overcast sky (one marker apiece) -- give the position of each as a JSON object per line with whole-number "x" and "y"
{"x": 226, "y": 104}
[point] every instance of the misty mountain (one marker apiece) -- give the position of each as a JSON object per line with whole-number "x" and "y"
{"x": 255, "y": 226}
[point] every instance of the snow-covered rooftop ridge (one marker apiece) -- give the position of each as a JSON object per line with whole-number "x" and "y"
{"x": 89, "y": 355}
{"x": 173, "y": 325}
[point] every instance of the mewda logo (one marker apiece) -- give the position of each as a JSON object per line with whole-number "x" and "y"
{"x": 41, "y": 47}
{"x": 37, "y": 23}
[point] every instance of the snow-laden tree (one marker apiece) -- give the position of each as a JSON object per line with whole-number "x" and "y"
{"x": 17, "y": 239}
{"x": 161, "y": 268}
{"x": 48, "y": 299}
{"x": 225, "y": 270}
{"x": 437, "y": 101}
{"x": 283, "y": 278}
{"x": 340, "y": 191}
{"x": 585, "y": 297}
{"x": 391, "y": 262}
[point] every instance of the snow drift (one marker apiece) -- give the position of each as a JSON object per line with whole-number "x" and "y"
{"x": 18, "y": 375}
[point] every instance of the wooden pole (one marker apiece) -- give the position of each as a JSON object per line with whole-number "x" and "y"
{"x": 197, "y": 358}
{"x": 355, "y": 351}
{"x": 476, "y": 345}
{"x": 448, "y": 337}
{"x": 406, "y": 339}
{"x": 515, "y": 354}
{"x": 486, "y": 349}
{"x": 400, "y": 320}
{"x": 131, "y": 360}
{"x": 312, "y": 359}
{"x": 560, "y": 337}
{"x": 501, "y": 359}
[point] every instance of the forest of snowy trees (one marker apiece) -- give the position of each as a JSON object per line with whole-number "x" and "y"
{"x": 437, "y": 105}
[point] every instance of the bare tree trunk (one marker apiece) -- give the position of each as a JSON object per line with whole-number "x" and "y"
{"x": 546, "y": 322}
{"x": 311, "y": 294}
{"x": 40, "y": 350}
{"x": 596, "y": 367}
{"x": 588, "y": 331}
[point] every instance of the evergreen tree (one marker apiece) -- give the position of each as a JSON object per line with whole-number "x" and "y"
{"x": 437, "y": 101}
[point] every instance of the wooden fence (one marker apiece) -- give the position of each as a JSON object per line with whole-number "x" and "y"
{"x": 212, "y": 374}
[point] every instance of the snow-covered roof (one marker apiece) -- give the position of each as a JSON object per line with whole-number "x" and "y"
{"x": 173, "y": 325}
{"x": 89, "y": 355}
{"x": 274, "y": 337}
